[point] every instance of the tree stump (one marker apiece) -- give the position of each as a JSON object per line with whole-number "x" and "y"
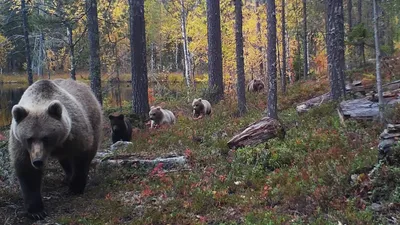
{"x": 257, "y": 133}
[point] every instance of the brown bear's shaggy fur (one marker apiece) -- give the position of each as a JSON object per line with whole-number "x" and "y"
{"x": 61, "y": 119}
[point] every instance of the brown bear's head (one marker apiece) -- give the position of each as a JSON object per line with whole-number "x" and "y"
{"x": 198, "y": 105}
{"x": 41, "y": 130}
{"x": 155, "y": 113}
{"x": 258, "y": 85}
{"x": 117, "y": 122}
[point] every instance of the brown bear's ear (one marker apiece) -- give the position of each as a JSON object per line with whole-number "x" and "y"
{"x": 121, "y": 116}
{"x": 55, "y": 109}
{"x": 199, "y": 99}
{"x": 158, "y": 108}
{"x": 111, "y": 117}
{"x": 19, "y": 113}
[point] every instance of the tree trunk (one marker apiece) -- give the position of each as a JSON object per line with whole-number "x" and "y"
{"x": 72, "y": 70}
{"x": 94, "y": 48}
{"x": 283, "y": 73}
{"x": 350, "y": 14}
{"x": 186, "y": 54}
{"x": 359, "y": 11}
{"x": 152, "y": 60}
{"x": 305, "y": 38}
{"x": 176, "y": 55}
{"x": 377, "y": 60}
{"x": 278, "y": 62}
{"x": 350, "y": 23}
{"x": 241, "y": 86}
{"x": 215, "y": 81}
{"x": 260, "y": 47}
{"x": 272, "y": 109}
{"x": 27, "y": 46}
{"x": 140, "y": 99}
{"x": 289, "y": 69}
{"x": 360, "y": 47}
{"x": 41, "y": 55}
{"x": 335, "y": 47}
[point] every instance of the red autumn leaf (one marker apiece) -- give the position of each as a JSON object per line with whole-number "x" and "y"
{"x": 146, "y": 192}
{"x": 108, "y": 196}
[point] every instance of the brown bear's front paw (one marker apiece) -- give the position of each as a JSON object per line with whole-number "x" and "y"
{"x": 77, "y": 187}
{"x": 37, "y": 215}
{"x": 66, "y": 180}
{"x": 35, "y": 209}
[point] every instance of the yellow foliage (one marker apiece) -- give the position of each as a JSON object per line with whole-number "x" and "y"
{"x": 5, "y": 48}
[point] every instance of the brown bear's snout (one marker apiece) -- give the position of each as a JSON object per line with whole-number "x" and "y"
{"x": 37, "y": 155}
{"x": 115, "y": 128}
{"x": 38, "y": 163}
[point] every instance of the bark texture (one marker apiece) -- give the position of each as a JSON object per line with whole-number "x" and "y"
{"x": 241, "y": 86}
{"x": 94, "y": 48}
{"x": 140, "y": 99}
{"x": 272, "y": 110}
{"x": 215, "y": 81}
{"x": 27, "y": 46}
{"x": 335, "y": 47}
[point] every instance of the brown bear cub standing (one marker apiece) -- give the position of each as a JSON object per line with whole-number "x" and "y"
{"x": 159, "y": 116}
{"x": 61, "y": 119}
{"x": 201, "y": 107}
{"x": 255, "y": 85}
{"x": 121, "y": 128}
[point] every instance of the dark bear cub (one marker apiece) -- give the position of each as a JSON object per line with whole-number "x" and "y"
{"x": 121, "y": 128}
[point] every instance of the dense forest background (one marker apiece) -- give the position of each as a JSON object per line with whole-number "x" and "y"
{"x": 330, "y": 69}
{"x": 176, "y": 31}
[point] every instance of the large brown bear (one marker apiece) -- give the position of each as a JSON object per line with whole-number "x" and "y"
{"x": 201, "y": 107}
{"x": 255, "y": 85}
{"x": 61, "y": 119}
{"x": 159, "y": 116}
{"x": 121, "y": 128}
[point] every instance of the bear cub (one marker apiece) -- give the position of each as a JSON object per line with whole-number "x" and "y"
{"x": 60, "y": 119}
{"x": 201, "y": 107}
{"x": 159, "y": 116}
{"x": 121, "y": 128}
{"x": 255, "y": 85}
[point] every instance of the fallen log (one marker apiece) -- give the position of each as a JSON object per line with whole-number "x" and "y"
{"x": 386, "y": 135}
{"x": 168, "y": 162}
{"x": 393, "y": 128}
{"x": 257, "y": 133}
{"x": 391, "y": 86}
{"x": 392, "y": 90}
{"x": 359, "y": 109}
{"x": 316, "y": 101}
{"x": 363, "y": 108}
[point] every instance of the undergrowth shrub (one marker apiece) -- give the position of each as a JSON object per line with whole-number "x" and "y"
{"x": 386, "y": 184}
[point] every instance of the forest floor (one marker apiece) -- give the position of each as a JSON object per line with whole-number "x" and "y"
{"x": 308, "y": 178}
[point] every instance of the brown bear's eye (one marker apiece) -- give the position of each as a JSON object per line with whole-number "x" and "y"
{"x": 30, "y": 140}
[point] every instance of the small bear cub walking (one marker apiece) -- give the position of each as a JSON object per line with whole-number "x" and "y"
{"x": 201, "y": 107}
{"x": 121, "y": 128}
{"x": 159, "y": 116}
